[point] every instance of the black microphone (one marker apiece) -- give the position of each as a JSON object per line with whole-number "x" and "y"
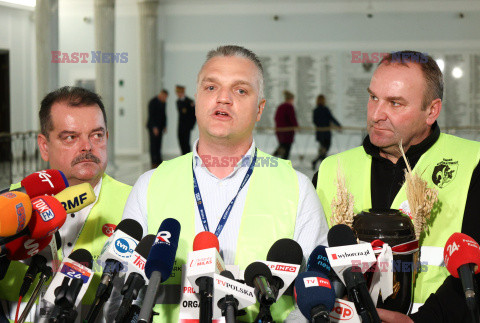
{"x": 286, "y": 251}
{"x": 318, "y": 262}
{"x": 74, "y": 276}
{"x": 118, "y": 248}
{"x": 159, "y": 264}
{"x": 341, "y": 235}
{"x": 136, "y": 279}
{"x": 259, "y": 276}
{"x": 228, "y": 304}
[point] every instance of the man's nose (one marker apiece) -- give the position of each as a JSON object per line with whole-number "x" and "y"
{"x": 86, "y": 144}
{"x": 224, "y": 96}
{"x": 379, "y": 113}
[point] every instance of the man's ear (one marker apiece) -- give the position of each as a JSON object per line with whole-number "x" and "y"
{"x": 42, "y": 142}
{"x": 261, "y": 106}
{"x": 433, "y": 111}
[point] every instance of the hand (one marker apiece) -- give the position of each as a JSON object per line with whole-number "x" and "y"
{"x": 156, "y": 132}
{"x": 394, "y": 317}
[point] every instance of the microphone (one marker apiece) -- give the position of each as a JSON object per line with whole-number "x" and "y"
{"x": 343, "y": 254}
{"x": 203, "y": 262}
{"x": 76, "y": 197}
{"x": 258, "y": 276}
{"x": 16, "y": 209}
{"x": 159, "y": 263}
{"x": 318, "y": 262}
{"x": 284, "y": 259}
{"x": 230, "y": 296}
{"x": 69, "y": 286}
{"x": 26, "y": 247}
{"x": 44, "y": 182}
{"x": 136, "y": 279}
{"x": 462, "y": 259}
{"x": 118, "y": 248}
{"x": 47, "y": 216}
{"x": 315, "y": 296}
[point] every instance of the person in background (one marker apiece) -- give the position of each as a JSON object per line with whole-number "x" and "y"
{"x": 285, "y": 118}
{"x": 157, "y": 126}
{"x": 323, "y": 118}
{"x": 186, "y": 118}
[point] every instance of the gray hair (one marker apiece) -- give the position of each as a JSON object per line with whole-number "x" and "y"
{"x": 238, "y": 51}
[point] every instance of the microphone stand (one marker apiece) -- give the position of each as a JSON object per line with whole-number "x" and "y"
{"x": 229, "y": 307}
{"x": 319, "y": 314}
{"x": 264, "y": 314}
{"x": 45, "y": 274}
{"x": 206, "y": 299}
{"x": 65, "y": 295}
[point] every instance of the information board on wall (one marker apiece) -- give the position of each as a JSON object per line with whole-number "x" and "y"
{"x": 345, "y": 83}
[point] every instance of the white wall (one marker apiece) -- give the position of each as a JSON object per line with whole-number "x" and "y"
{"x": 17, "y": 35}
{"x": 188, "y": 29}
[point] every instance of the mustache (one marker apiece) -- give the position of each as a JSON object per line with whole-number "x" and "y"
{"x": 86, "y": 156}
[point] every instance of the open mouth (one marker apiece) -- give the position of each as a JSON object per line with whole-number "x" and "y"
{"x": 221, "y": 113}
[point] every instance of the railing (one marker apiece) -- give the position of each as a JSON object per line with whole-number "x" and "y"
{"x": 19, "y": 156}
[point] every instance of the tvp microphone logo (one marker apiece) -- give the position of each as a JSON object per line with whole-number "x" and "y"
{"x": 316, "y": 282}
{"x": 162, "y": 237}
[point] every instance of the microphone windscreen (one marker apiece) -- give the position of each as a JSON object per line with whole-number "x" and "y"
{"x": 341, "y": 235}
{"x": 26, "y": 247}
{"x": 205, "y": 240}
{"x": 162, "y": 254}
{"x": 287, "y": 251}
{"x": 144, "y": 246}
{"x": 313, "y": 289}
{"x": 461, "y": 249}
{"x": 16, "y": 209}
{"x": 47, "y": 217}
{"x": 45, "y": 182}
{"x": 83, "y": 257}
{"x": 131, "y": 227}
{"x": 256, "y": 269}
{"x": 76, "y": 197}
{"x": 228, "y": 274}
{"x": 318, "y": 261}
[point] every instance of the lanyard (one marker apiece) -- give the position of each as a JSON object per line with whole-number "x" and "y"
{"x": 226, "y": 213}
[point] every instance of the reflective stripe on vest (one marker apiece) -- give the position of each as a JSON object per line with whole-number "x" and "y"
{"x": 448, "y": 166}
{"x": 272, "y": 202}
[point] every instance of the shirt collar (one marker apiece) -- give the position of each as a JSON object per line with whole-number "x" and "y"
{"x": 245, "y": 161}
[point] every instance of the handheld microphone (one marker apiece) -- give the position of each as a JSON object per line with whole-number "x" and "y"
{"x": 350, "y": 260}
{"x": 136, "y": 279}
{"x": 230, "y": 296}
{"x": 16, "y": 209}
{"x": 75, "y": 198}
{"x": 462, "y": 259}
{"x": 47, "y": 216}
{"x": 203, "y": 262}
{"x": 318, "y": 262}
{"x": 69, "y": 285}
{"x": 44, "y": 182}
{"x": 259, "y": 276}
{"x": 284, "y": 259}
{"x": 159, "y": 264}
{"x": 315, "y": 296}
{"x": 26, "y": 247}
{"x": 118, "y": 249}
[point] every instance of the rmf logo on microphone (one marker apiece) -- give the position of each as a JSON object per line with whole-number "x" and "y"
{"x": 163, "y": 236}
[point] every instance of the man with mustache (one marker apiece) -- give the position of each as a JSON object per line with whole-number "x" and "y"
{"x": 73, "y": 139}
{"x": 405, "y": 101}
